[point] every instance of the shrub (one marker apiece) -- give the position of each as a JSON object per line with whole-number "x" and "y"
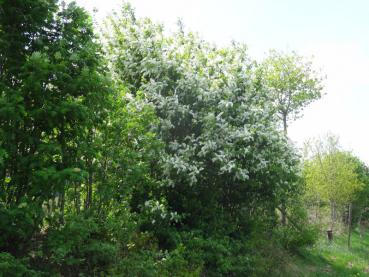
{"x": 12, "y": 267}
{"x": 17, "y": 227}
{"x": 81, "y": 246}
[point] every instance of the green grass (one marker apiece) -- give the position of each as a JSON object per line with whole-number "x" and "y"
{"x": 333, "y": 259}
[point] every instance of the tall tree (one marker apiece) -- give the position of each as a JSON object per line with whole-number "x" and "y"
{"x": 218, "y": 126}
{"x": 361, "y": 199}
{"x": 53, "y": 97}
{"x": 291, "y": 82}
{"x": 331, "y": 174}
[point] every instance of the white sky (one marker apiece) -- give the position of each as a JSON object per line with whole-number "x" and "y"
{"x": 335, "y": 32}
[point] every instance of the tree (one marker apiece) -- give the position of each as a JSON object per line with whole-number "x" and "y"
{"x": 291, "y": 82}
{"x": 77, "y": 152}
{"x": 331, "y": 174}
{"x": 225, "y": 165}
{"x": 361, "y": 199}
{"x": 218, "y": 126}
{"x": 172, "y": 168}
{"x": 53, "y": 97}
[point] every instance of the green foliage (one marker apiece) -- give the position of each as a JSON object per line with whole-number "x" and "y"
{"x": 17, "y": 227}
{"x": 361, "y": 201}
{"x": 332, "y": 259}
{"x": 333, "y": 177}
{"x": 12, "y": 267}
{"x": 218, "y": 125}
{"x": 51, "y": 104}
{"x": 291, "y": 82}
{"x": 175, "y": 167}
{"x": 157, "y": 263}
{"x": 82, "y": 246}
{"x": 221, "y": 256}
{"x": 294, "y": 238}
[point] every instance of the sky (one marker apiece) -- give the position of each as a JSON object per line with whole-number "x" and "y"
{"x": 334, "y": 33}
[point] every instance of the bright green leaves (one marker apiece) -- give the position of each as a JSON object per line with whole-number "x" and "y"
{"x": 333, "y": 177}
{"x": 291, "y": 82}
{"x": 54, "y": 96}
{"x": 183, "y": 145}
{"x": 332, "y": 174}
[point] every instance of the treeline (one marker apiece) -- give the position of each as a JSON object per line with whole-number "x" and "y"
{"x": 337, "y": 187}
{"x": 142, "y": 153}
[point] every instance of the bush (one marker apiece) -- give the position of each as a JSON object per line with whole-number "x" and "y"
{"x": 298, "y": 232}
{"x": 80, "y": 247}
{"x": 142, "y": 257}
{"x": 12, "y": 267}
{"x": 177, "y": 263}
{"x": 17, "y": 227}
{"x": 292, "y": 238}
{"x": 218, "y": 255}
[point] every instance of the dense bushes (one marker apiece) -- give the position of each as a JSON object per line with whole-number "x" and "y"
{"x": 166, "y": 159}
{"x": 13, "y": 267}
{"x": 18, "y": 225}
{"x": 80, "y": 247}
{"x": 214, "y": 117}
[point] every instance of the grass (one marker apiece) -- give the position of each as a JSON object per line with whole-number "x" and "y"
{"x": 333, "y": 259}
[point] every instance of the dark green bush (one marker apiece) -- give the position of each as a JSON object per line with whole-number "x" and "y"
{"x": 12, "y": 267}
{"x": 218, "y": 255}
{"x": 17, "y": 227}
{"x": 80, "y": 247}
{"x": 292, "y": 238}
{"x": 298, "y": 232}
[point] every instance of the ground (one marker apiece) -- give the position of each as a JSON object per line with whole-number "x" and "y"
{"x": 333, "y": 259}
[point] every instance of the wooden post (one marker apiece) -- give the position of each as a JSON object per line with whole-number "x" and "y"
{"x": 330, "y": 235}
{"x": 349, "y": 226}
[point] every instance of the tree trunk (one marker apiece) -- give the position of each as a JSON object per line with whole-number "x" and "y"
{"x": 284, "y": 117}
{"x": 62, "y": 204}
{"x": 283, "y": 214}
{"x": 359, "y": 224}
{"x": 77, "y": 197}
{"x": 333, "y": 214}
{"x": 283, "y": 206}
{"x": 349, "y": 226}
{"x": 317, "y": 207}
{"x": 89, "y": 189}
